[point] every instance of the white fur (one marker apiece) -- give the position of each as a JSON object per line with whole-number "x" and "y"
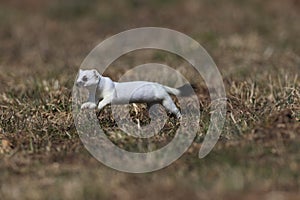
{"x": 104, "y": 88}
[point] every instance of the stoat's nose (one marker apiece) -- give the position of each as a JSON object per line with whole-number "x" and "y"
{"x": 78, "y": 83}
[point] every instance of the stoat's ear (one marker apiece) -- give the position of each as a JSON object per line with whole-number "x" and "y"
{"x": 96, "y": 74}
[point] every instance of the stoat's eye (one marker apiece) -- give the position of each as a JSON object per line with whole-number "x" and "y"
{"x": 84, "y": 78}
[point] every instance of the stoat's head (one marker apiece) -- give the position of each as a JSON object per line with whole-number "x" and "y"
{"x": 88, "y": 78}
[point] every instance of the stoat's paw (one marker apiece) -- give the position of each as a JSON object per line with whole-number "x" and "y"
{"x": 88, "y": 105}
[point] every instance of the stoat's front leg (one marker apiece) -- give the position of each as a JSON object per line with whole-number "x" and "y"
{"x": 105, "y": 101}
{"x": 88, "y": 105}
{"x": 91, "y": 103}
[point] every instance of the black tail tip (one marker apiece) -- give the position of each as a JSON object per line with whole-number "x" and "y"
{"x": 187, "y": 89}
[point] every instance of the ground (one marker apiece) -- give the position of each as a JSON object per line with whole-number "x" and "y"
{"x": 256, "y": 47}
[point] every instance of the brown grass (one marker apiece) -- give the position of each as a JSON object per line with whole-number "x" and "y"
{"x": 256, "y": 47}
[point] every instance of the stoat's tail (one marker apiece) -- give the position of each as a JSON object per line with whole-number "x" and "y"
{"x": 185, "y": 90}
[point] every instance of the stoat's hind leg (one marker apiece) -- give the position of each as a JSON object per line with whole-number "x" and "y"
{"x": 171, "y": 107}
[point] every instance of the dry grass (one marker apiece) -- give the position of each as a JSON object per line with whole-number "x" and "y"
{"x": 256, "y": 47}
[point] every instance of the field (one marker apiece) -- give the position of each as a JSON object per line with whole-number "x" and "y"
{"x": 256, "y": 47}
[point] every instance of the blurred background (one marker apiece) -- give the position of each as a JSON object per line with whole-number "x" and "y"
{"x": 256, "y": 46}
{"x": 240, "y": 35}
